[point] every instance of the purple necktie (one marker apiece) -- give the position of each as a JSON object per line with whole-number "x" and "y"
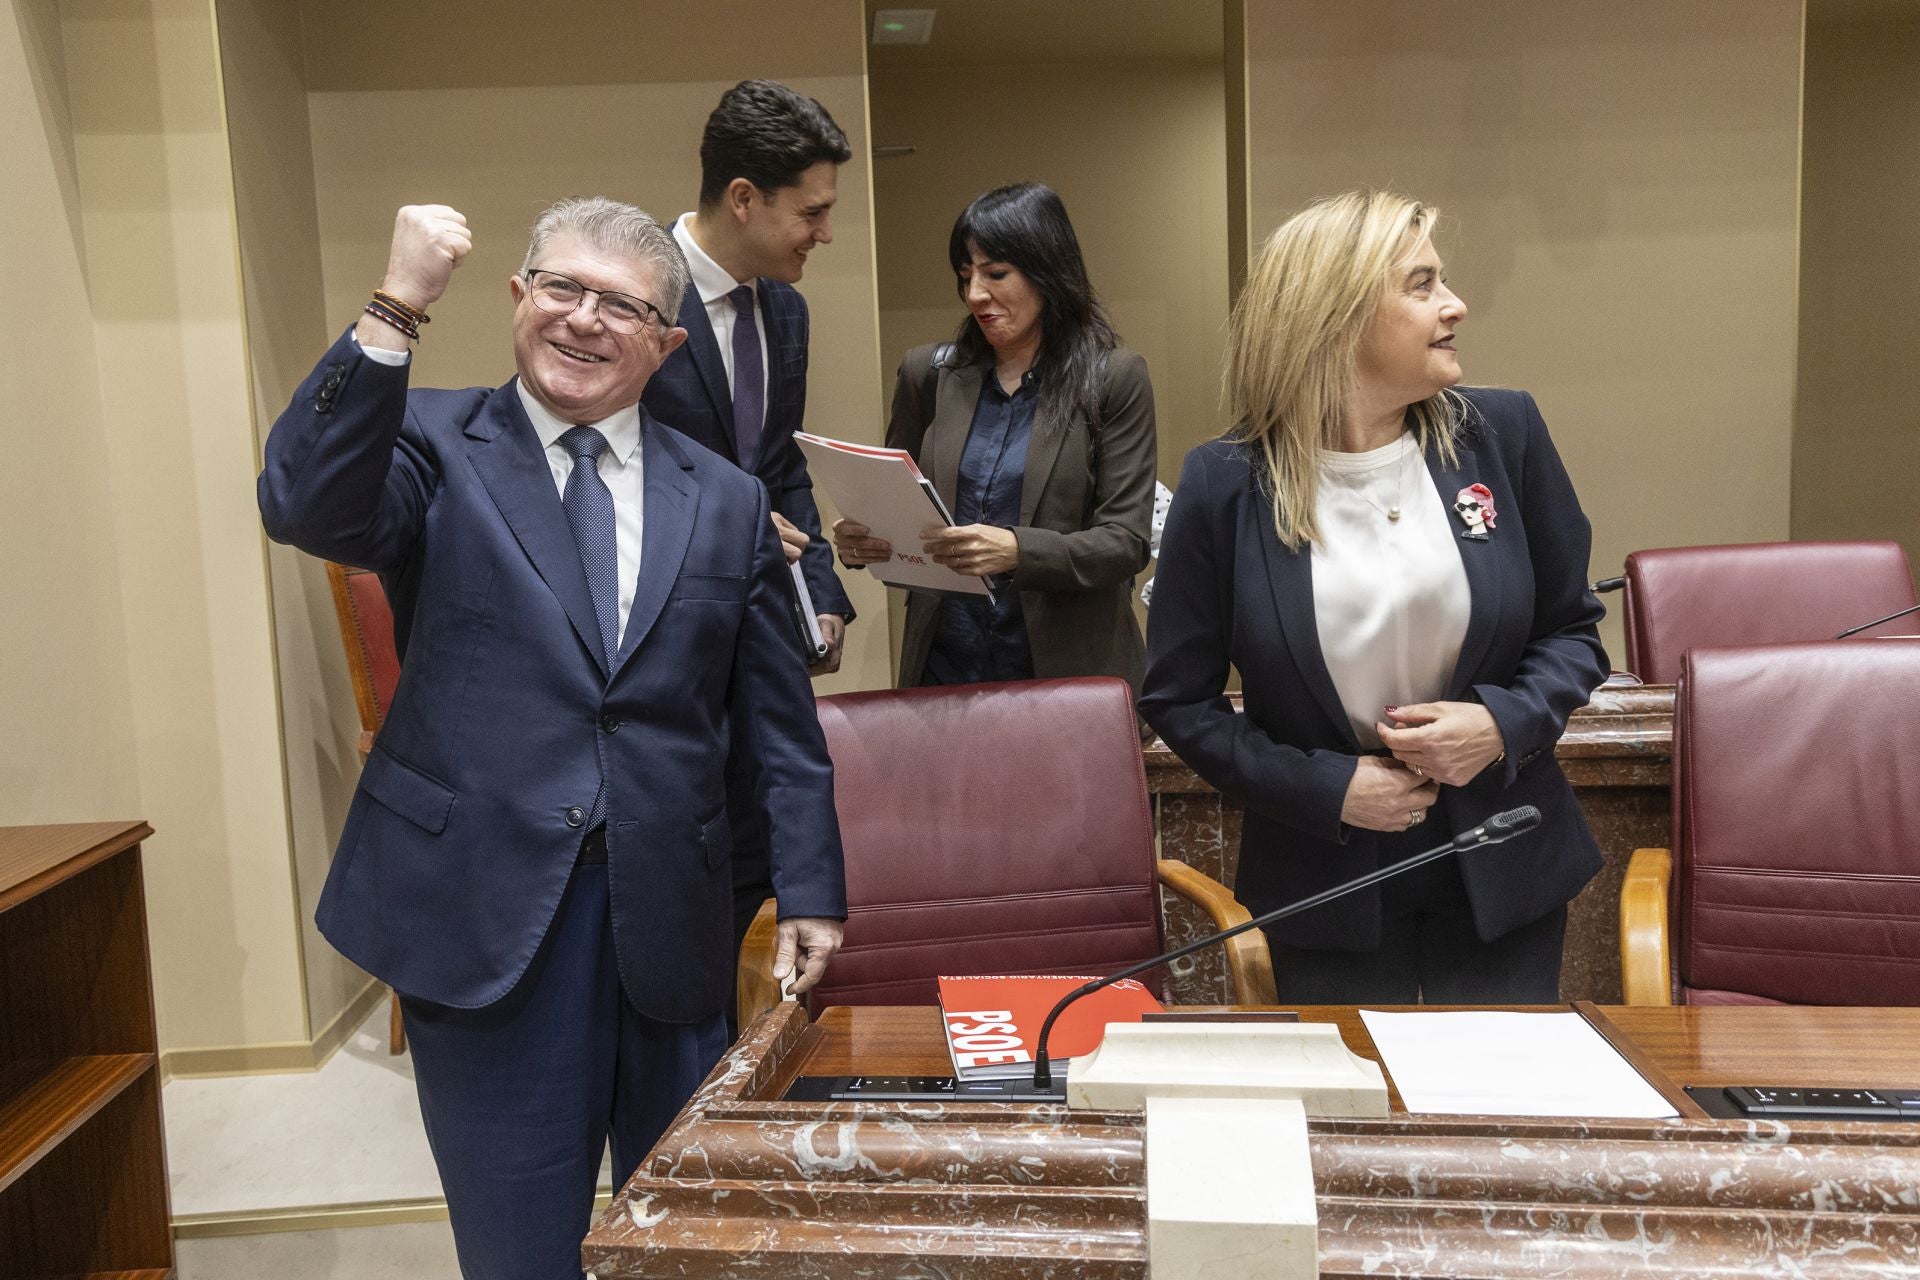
{"x": 749, "y": 394}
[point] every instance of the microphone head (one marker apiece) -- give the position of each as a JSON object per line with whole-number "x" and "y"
{"x": 1501, "y": 826}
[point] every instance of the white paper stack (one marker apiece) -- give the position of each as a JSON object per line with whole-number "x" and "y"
{"x": 1509, "y": 1064}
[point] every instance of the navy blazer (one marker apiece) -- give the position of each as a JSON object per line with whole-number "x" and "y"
{"x": 690, "y": 394}
{"x": 1227, "y": 591}
{"x": 466, "y": 824}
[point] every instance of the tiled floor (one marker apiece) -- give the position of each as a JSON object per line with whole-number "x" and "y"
{"x": 348, "y": 1134}
{"x": 415, "y": 1251}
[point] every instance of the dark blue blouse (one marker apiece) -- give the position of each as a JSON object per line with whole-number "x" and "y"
{"x": 975, "y": 640}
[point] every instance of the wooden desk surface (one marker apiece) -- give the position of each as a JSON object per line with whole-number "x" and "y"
{"x": 1810, "y": 1047}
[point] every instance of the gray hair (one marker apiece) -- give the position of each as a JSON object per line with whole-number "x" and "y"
{"x": 613, "y": 227}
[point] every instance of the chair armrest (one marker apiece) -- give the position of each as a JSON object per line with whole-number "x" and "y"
{"x": 1248, "y": 960}
{"x": 1646, "y": 973}
{"x": 755, "y": 991}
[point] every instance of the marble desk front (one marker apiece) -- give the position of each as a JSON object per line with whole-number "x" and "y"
{"x": 746, "y": 1184}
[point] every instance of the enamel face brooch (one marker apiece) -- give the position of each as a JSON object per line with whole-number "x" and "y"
{"x": 1474, "y": 506}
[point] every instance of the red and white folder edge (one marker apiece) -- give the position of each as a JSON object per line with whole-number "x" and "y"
{"x": 993, "y": 1022}
{"x": 884, "y": 490}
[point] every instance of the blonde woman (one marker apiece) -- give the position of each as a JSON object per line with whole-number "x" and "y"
{"x": 1398, "y": 571}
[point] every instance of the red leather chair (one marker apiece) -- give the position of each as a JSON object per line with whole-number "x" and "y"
{"x": 1795, "y": 867}
{"x": 995, "y": 828}
{"x": 1680, "y": 598}
{"x": 366, "y": 632}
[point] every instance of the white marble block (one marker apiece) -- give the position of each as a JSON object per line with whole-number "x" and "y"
{"x": 1306, "y": 1061}
{"x": 1229, "y": 1190}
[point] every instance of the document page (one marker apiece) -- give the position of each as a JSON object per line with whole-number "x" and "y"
{"x": 884, "y": 490}
{"x": 1509, "y": 1064}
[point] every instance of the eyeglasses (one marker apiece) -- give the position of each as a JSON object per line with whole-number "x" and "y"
{"x": 620, "y": 312}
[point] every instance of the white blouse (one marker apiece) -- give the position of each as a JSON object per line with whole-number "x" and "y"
{"x": 1390, "y": 597}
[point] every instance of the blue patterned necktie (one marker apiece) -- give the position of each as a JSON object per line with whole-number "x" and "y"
{"x": 589, "y": 508}
{"x": 749, "y": 378}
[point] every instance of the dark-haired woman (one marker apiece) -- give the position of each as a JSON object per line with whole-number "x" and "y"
{"x": 1036, "y": 426}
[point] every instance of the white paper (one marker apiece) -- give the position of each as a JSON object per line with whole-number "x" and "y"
{"x": 1509, "y": 1064}
{"x": 884, "y": 490}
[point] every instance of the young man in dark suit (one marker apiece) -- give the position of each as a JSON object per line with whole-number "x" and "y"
{"x": 769, "y": 161}
{"x": 584, "y": 602}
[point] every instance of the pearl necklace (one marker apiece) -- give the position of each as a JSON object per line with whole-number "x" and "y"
{"x": 1392, "y": 513}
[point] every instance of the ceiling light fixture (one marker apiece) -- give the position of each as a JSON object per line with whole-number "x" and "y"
{"x": 902, "y": 26}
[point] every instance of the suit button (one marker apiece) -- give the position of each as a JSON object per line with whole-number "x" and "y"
{"x": 576, "y": 816}
{"x": 611, "y": 723}
{"x": 330, "y": 387}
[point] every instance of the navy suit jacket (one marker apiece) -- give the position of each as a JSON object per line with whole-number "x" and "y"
{"x": 466, "y": 824}
{"x": 690, "y": 394}
{"x": 1227, "y": 591}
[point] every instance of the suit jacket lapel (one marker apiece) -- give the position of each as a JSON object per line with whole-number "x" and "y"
{"x": 1043, "y": 451}
{"x": 510, "y": 463}
{"x": 704, "y": 348}
{"x": 957, "y": 391}
{"x": 1290, "y": 575}
{"x": 1482, "y": 565}
{"x": 777, "y": 312}
{"x": 672, "y": 498}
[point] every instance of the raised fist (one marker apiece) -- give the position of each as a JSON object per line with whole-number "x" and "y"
{"x": 429, "y": 241}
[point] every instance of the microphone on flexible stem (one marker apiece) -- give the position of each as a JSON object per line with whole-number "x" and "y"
{"x": 1854, "y": 631}
{"x": 1501, "y": 826}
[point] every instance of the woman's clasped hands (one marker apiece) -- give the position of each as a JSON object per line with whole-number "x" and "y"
{"x": 1385, "y": 795}
{"x": 1449, "y": 742}
{"x": 1434, "y": 744}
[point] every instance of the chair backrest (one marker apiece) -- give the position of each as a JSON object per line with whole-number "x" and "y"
{"x": 366, "y": 631}
{"x": 992, "y": 828}
{"x": 1796, "y": 826}
{"x": 1680, "y": 598}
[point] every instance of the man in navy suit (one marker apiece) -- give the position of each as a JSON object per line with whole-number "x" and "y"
{"x": 769, "y": 160}
{"x": 591, "y": 610}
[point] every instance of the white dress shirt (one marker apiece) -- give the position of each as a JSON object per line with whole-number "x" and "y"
{"x": 713, "y": 283}
{"x": 620, "y": 467}
{"x": 1390, "y": 597}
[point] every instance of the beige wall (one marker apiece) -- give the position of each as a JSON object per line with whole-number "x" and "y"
{"x": 67, "y": 751}
{"x": 263, "y": 64}
{"x": 1621, "y": 181}
{"x": 1137, "y": 151}
{"x": 618, "y": 115}
{"x": 141, "y": 567}
{"x": 1856, "y": 454}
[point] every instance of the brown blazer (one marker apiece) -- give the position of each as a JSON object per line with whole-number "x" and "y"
{"x": 1086, "y": 505}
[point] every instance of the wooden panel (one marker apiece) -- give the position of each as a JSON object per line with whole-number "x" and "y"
{"x": 98, "y": 1201}
{"x": 73, "y": 968}
{"x": 34, "y": 858}
{"x": 1812, "y": 1047}
{"x": 41, "y": 1103}
{"x": 1778, "y": 1044}
{"x": 83, "y": 1175}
